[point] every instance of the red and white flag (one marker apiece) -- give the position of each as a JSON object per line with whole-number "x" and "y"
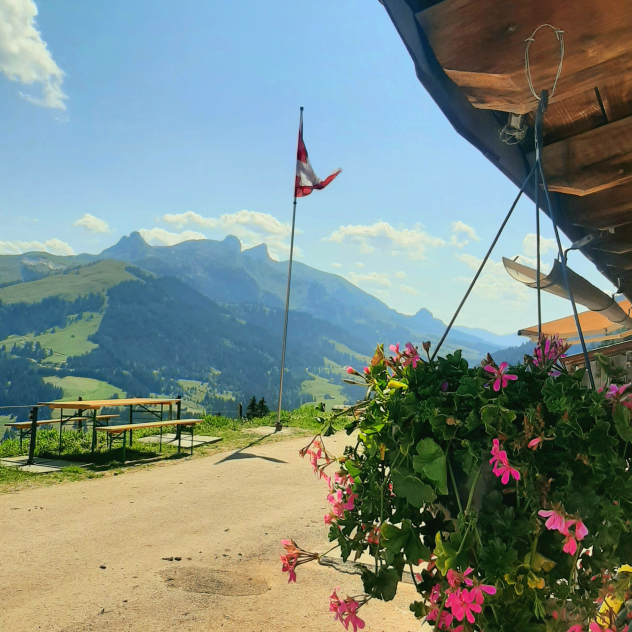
{"x": 306, "y": 179}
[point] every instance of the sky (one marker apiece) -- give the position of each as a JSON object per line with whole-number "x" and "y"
{"x": 179, "y": 120}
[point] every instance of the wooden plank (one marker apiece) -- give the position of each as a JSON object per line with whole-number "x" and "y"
{"x": 616, "y": 95}
{"x": 572, "y": 116}
{"x": 151, "y": 424}
{"x": 601, "y": 210}
{"x": 113, "y": 403}
{"x": 481, "y": 46}
{"x": 591, "y": 162}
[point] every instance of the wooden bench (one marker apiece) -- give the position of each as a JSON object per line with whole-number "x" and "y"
{"x": 24, "y": 427}
{"x": 118, "y": 429}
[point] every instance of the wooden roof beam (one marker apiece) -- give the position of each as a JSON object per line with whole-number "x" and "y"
{"x": 590, "y": 162}
{"x": 604, "y": 209}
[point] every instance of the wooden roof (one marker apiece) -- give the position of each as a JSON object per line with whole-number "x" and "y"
{"x": 470, "y": 55}
{"x": 102, "y": 403}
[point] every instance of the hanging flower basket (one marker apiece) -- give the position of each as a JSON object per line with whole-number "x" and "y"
{"x": 505, "y": 492}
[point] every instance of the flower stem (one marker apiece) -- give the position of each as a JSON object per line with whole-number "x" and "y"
{"x": 471, "y": 496}
{"x": 456, "y": 489}
{"x": 445, "y": 597}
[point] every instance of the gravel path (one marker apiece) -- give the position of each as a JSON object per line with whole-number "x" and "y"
{"x": 90, "y": 556}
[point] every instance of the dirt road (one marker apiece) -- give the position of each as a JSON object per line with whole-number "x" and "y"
{"x": 89, "y": 556}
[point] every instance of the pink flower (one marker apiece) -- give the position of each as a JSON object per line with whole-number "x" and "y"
{"x": 444, "y": 386}
{"x": 350, "y": 370}
{"x": 480, "y": 590}
{"x": 463, "y": 605}
{"x": 620, "y": 395}
{"x": 555, "y": 520}
{"x": 502, "y": 378}
{"x": 534, "y": 443}
{"x": 334, "y": 603}
{"x": 349, "y": 616}
{"x": 366, "y": 370}
{"x": 329, "y": 518}
{"x": 576, "y": 628}
{"x": 289, "y": 564}
{"x": 410, "y": 356}
{"x": 395, "y": 348}
{"x": 295, "y": 556}
{"x": 456, "y": 579}
{"x": 374, "y": 536}
{"x": 554, "y": 349}
{"x": 580, "y": 530}
{"x": 500, "y": 463}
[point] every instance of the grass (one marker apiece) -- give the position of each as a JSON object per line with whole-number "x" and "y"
{"x": 88, "y": 388}
{"x": 69, "y": 341}
{"x": 323, "y": 391}
{"x": 76, "y": 447}
{"x": 93, "y": 279}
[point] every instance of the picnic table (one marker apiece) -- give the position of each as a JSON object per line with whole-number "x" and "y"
{"x": 135, "y": 404}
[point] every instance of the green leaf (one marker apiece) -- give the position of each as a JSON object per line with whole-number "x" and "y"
{"x": 406, "y": 539}
{"x": 432, "y": 463}
{"x": 416, "y": 492}
{"x": 470, "y": 387}
{"x": 621, "y": 418}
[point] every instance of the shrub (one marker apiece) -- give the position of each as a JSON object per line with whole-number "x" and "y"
{"x": 504, "y": 492}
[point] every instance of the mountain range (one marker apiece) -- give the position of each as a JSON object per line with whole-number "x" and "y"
{"x": 206, "y": 317}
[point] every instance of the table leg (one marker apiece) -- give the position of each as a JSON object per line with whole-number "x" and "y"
{"x": 21, "y": 435}
{"x": 94, "y": 430}
{"x": 160, "y": 438}
{"x": 179, "y": 437}
{"x": 192, "y": 440}
{"x": 131, "y": 421}
{"x": 61, "y": 428}
{"x": 124, "y": 441}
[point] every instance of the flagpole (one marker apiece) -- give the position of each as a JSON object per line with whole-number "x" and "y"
{"x": 279, "y": 426}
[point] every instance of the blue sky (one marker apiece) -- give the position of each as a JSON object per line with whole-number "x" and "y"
{"x": 179, "y": 120}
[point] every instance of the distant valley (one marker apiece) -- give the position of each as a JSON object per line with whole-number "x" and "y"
{"x": 203, "y": 318}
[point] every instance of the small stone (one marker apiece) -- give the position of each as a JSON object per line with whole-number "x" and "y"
{"x": 177, "y": 559}
{"x": 102, "y": 566}
{"x": 168, "y": 559}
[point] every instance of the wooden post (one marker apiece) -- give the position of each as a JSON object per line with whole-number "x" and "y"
{"x": 33, "y": 418}
{"x": 80, "y": 414}
{"x": 240, "y": 411}
{"x": 178, "y": 416}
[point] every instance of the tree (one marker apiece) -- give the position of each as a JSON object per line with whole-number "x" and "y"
{"x": 252, "y": 409}
{"x": 262, "y": 408}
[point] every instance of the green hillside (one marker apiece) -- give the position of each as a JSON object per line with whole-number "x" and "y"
{"x": 87, "y": 388}
{"x": 92, "y": 279}
{"x": 71, "y": 340}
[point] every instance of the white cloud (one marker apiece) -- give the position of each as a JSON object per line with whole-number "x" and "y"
{"x": 93, "y": 224}
{"x": 250, "y": 227}
{"x": 460, "y": 227}
{"x": 406, "y": 289}
{"x": 336, "y": 265}
{"x": 359, "y": 264}
{"x": 400, "y": 275}
{"x": 546, "y": 245}
{"x": 371, "y": 278}
{"x": 53, "y": 246}
{"x": 411, "y": 241}
{"x": 160, "y": 236}
{"x": 24, "y": 56}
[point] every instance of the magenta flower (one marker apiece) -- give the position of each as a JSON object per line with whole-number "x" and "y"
{"x": 502, "y": 378}
{"x": 395, "y": 349}
{"x": 334, "y": 603}
{"x": 554, "y": 349}
{"x": 500, "y": 464}
{"x": 463, "y": 605}
{"x": 366, "y": 370}
{"x": 410, "y": 356}
{"x": 295, "y": 556}
{"x": 576, "y": 628}
{"x": 349, "y": 616}
{"x": 350, "y": 370}
{"x": 534, "y": 443}
{"x": 555, "y": 519}
{"x": 480, "y": 590}
{"x": 619, "y": 395}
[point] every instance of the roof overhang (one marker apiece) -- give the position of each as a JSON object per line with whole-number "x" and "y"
{"x": 469, "y": 55}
